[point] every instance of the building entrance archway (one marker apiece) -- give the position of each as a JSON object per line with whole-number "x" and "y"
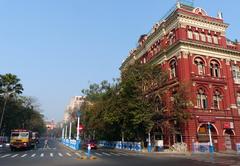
{"x": 228, "y": 138}
{"x": 203, "y": 134}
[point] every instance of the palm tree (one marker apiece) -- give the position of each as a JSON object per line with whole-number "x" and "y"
{"x": 9, "y": 86}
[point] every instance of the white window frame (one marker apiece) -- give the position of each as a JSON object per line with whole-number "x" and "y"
{"x": 209, "y": 38}
{"x": 190, "y": 34}
{"x": 203, "y": 37}
{"x": 238, "y": 99}
{"x": 217, "y": 98}
{"x": 200, "y": 66}
{"x": 201, "y": 99}
{"x": 173, "y": 66}
{"x": 236, "y": 74}
{"x": 215, "y": 39}
{"x": 215, "y": 69}
{"x": 196, "y": 35}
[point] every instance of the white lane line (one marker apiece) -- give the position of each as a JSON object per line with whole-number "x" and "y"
{"x": 115, "y": 154}
{"x": 6, "y": 155}
{"x": 68, "y": 154}
{"x": 123, "y": 154}
{"x": 138, "y": 154}
{"x": 106, "y": 154}
{"x": 33, "y": 155}
{"x": 60, "y": 154}
{"x": 51, "y": 154}
{"x": 42, "y": 154}
{"x": 78, "y": 154}
{"x": 24, "y": 155}
{"x": 98, "y": 154}
{"x": 15, "y": 155}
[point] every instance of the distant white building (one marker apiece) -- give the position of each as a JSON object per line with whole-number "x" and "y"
{"x": 50, "y": 124}
{"x": 74, "y": 105}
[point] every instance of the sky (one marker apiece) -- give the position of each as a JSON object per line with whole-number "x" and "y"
{"x": 59, "y": 47}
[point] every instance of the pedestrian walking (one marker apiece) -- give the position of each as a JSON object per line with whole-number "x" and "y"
{"x": 45, "y": 144}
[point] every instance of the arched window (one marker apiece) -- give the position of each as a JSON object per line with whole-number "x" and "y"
{"x": 200, "y": 66}
{"x": 201, "y": 99}
{"x": 173, "y": 69}
{"x": 171, "y": 38}
{"x": 236, "y": 73}
{"x": 158, "y": 104}
{"x": 214, "y": 69}
{"x": 217, "y": 99}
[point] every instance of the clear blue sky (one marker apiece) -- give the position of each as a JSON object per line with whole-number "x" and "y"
{"x": 58, "y": 47}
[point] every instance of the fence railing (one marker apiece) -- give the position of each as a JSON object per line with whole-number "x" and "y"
{"x": 201, "y": 147}
{"x": 134, "y": 146}
{"x": 72, "y": 143}
{"x": 238, "y": 148}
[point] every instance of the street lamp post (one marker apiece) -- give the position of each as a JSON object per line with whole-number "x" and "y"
{"x": 62, "y": 133}
{"x": 66, "y": 131}
{"x": 211, "y": 150}
{"x": 78, "y": 123}
{"x": 149, "y": 143}
{"x": 78, "y": 128}
{"x": 70, "y": 130}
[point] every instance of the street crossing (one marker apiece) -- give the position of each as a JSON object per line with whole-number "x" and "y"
{"x": 61, "y": 154}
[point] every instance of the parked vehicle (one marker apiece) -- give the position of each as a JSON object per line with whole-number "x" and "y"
{"x": 21, "y": 139}
{"x": 4, "y": 141}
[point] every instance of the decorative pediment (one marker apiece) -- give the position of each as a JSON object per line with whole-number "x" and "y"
{"x": 200, "y": 11}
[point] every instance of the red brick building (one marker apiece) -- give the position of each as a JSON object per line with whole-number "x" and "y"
{"x": 193, "y": 47}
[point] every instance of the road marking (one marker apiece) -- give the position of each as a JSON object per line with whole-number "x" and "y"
{"x": 78, "y": 154}
{"x": 139, "y": 154}
{"x": 68, "y": 154}
{"x": 51, "y": 154}
{"x": 115, "y": 154}
{"x": 24, "y": 155}
{"x": 60, "y": 154}
{"x": 42, "y": 154}
{"x": 33, "y": 155}
{"x": 6, "y": 155}
{"x": 106, "y": 154}
{"x": 123, "y": 154}
{"x": 98, "y": 154}
{"x": 15, "y": 155}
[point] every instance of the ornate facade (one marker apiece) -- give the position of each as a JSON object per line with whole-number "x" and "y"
{"x": 193, "y": 47}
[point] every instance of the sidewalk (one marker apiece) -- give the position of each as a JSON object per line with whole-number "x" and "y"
{"x": 173, "y": 153}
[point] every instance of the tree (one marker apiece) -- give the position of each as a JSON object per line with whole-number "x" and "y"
{"x": 19, "y": 111}
{"x": 128, "y": 107}
{"x": 9, "y": 86}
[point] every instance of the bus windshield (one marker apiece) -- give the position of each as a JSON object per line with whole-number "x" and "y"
{"x": 20, "y": 134}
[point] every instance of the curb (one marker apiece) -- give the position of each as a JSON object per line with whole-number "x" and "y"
{"x": 83, "y": 157}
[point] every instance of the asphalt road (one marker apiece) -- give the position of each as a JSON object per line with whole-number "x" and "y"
{"x": 57, "y": 155}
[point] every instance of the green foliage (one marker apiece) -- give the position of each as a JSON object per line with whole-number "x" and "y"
{"x": 127, "y": 108}
{"x": 19, "y": 111}
{"x": 9, "y": 83}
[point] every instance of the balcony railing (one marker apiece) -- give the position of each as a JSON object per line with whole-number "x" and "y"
{"x": 197, "y": 77}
